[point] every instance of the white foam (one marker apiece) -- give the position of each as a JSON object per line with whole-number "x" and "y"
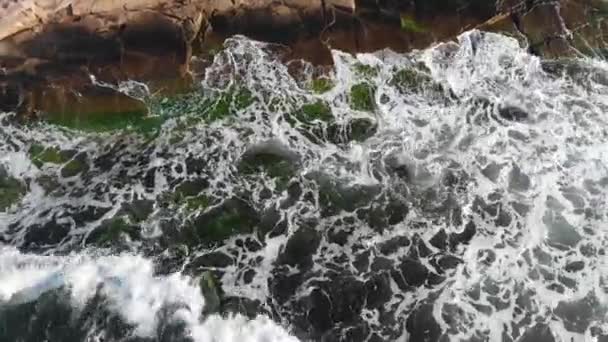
{"x": 132, "y": 289}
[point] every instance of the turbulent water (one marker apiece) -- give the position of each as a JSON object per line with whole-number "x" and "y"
{"x": 453, "y": 194}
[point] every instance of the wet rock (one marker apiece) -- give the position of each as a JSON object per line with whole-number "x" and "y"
{"x": 87, "y": 213}
{"x": 538, "y": 333}
{"x": 272, "y": 158}
{"x": 412, "y": 80}
{"x": 138, "y": 210}
{"x": 41, "y": 155}
{"x": 46, "y": 235}
{"x": 346, "y": 297}
{"x": 440, "y": 240}
{"x": 233, "y": 217}
{"x": 283, "y": 286}
{"x": 518, "y": 180}
{"x": 319, "y": 316}
{"x": 362, "y": 97}
{"x": 413, "y": 272}
{"x": 211, "y": 290}
{"x": 212, "y": 260}
{"x": 575, "y": 266}
{"x": 464, "y": 237}
{"x": 42, "y": 319}
{"x": 335, "y": 196}
{"x": 577, "y": 315}
{"x": 381, "y": 264}
{"x": 357, "y": 129}
{"x": 446, "y": 262}
{"x": 394, "y": 244}
{"x": 11, "y": 190}
{"x": 340, "y": 234}
{"x": 113, "y": 231}
{"x": 511, "y": 113}
{"x": 300, "y": 248}
{"x": 378, "y": 289}
{"x": 561, "y": 233}
{"x": 249, "y": 308}
{"x": 421, "y": 325}
{"x": 75, "y": 166}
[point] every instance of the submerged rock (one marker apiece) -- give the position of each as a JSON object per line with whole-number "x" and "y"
{"x": 11, "y": 190}
{"x": 233, "y": 217}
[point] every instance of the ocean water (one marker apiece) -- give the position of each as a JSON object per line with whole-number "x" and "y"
{"x": 457, "y": 193}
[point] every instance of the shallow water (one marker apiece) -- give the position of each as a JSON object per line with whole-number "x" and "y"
{"x": 452, "y": 194}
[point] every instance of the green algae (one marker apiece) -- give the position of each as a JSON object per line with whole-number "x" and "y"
{"x": 276, "y": 166}
{"x": 11, "y": 191}
{"x": 321, "y": 85}
{"x": 75, "y": 166}
{"x": 136, "y": 121}
{"x": 211, "y": 291}
{"x": 413, "y": 80}
{"x": 233, "y": 217}
{"x": 113, "y": 230}
{"x": 41, "y": 155}
{"x": 204, "y": 107}
{"x": 366, "y": 70}
{"x": 316, "y": 111}
{"x": 362, "y": 97}
{"x": 411, "y": 25}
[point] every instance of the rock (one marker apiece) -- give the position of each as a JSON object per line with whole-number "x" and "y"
{"x": 300, "y": 248}
{"x": 357, "y": 129}
{"x": 440, "y": 240}
{"x": 49, "y": 234}
{"x": 577, "y": 315}
{"x": 11, "y": 190}
{"x": 511, "y": 113}
{"x": 393, "y": 245}
{"x": 575, "y": 266}
{"x": 211, "y": 290}
{"x": 538, "y": 333}
{"x": 212, "y": 260}
{"x": 378, "y": 289}
{"x": 421, "y": 325}
{"x": 111, "y": 232}
{"x": 233, "y": 217}
{"x": 561, "y": 233}
{"x": 272, "y": 158}
{"x": 249, "y": 308}
{"x": 413, "y": 272}
{"x": 362, "y": 97}
{"x": 77, "y": 165}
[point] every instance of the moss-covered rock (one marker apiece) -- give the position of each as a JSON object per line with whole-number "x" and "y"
{"x": 362, "y": 97}
{"x": 217, "y": 224}
{"x": 199, "y": 106}
{"x": 357, "y": 129}
{"x": 137, "y": 121}
{"x": 190, "y": 194}
{"x": 415, "y": 80}
{"x": 138, "y": 210}
{"x": 41, "y": 155}
{"x": 11, "y": 190}
{"x": 409, "y": 24}
{"x": 112, "y": 231}
{"x": 336, "y": 196}
{"x": 75, "y": 166}
{"x": 310, "y": 113}
{"x": 321, "y": 85}
{"x": 211, "y": 291}
{"x": 366, "y": 70}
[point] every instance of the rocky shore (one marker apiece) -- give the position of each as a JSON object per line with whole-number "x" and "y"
{"x": 49, "y": 49}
